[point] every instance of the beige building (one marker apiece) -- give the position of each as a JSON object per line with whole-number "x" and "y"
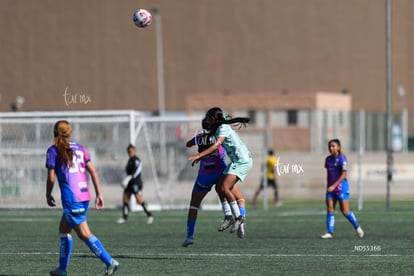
{"x": 88, "y": 55}
{"x": 291, "y": 121}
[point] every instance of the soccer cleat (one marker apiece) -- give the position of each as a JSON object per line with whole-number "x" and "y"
{"x": 121, "y": 221}
{"x": 228, "y": 220}
{"x": 187, "y": 242}
{"x": 360, "y": 232}
{"x": 110, "y": 270}
{"x": 57, "y": 272}
{"x": 236, "y": 225}
{"x": 240, "y": 231}
{"x": 150, "y": 220}
{"x": 327, "y": 236}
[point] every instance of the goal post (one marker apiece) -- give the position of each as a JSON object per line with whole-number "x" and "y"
{"x": 25, "y": 137}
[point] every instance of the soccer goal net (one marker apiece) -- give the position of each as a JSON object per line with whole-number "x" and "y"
{"x": 160, "y": 144}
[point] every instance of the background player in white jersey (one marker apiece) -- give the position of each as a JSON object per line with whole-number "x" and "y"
{"x": 241, "y": 160}
{"x": 133, "y": 185}
{"x": 69, "y": 161}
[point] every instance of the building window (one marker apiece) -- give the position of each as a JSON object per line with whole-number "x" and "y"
{"x": 292, "y": 117}
{"x": 257, "y": 117}
{"x": 252, "y": 116}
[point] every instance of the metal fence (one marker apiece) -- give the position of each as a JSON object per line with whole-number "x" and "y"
{"x": 160, "y": 142}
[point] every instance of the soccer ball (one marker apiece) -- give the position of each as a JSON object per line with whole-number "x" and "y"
{"x": 142, "y": 18}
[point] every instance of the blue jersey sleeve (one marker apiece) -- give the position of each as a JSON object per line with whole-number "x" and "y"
{"x": 51, "y": 156}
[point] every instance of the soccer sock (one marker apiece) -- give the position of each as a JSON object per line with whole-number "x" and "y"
{"x": 235, "y": 209}
{"x": 125, "y": 210}
{"x": 66, "y": 243}
{"x": 242, "y": 208}
{"x": 226, "y": 208}
{"x": 330, "y": 222}
{"x": 144, "y": 206}
{"x": 190, "y": 228}
{"x": 97, "y": 248}
{"x": 352, "y": 219}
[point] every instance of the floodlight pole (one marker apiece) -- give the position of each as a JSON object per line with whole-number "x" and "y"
{"x": 155, "y": 9}
{"x": 160, "y": 59}
{"x": 361, "y": 142}
{"x": 268, "y": 141}
{"x": 388, "y": 99}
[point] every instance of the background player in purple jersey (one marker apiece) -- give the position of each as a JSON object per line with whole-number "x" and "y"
{"x": 133, "y": 185}
{"x": 69, "y": 161}
{"x": 336, "y": 166}
{"x": 210, "y": 170}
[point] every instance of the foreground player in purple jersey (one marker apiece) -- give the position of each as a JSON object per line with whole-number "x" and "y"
{"x": 69, "y": 161}
{"x": 336, "y": 166}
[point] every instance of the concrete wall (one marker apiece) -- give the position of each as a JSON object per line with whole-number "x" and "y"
{"x": 62, "y": 55}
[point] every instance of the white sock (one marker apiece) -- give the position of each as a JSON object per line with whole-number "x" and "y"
{"x": 226, "y": 208}
{"x": 235, "y": 209}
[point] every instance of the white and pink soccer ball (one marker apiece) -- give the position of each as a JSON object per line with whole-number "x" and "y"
{"x": 142, "y": 18}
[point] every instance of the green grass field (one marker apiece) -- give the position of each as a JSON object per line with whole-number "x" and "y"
{"x": 282, "y": 241}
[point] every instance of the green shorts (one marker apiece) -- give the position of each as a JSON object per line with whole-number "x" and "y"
{"x": 239, "y": 169}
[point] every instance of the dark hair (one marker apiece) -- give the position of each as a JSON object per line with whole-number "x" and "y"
{"x": 336, "y": 141}
{"x": 205, "y": 125}
{"x": 130, "y": 146}
{"x": 270, "y": 152}
{"x": 217, "y": 114}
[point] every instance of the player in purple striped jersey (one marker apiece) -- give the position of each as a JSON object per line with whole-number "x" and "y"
{"x": 336, "y": 166}
{"x": 69, "y": 162}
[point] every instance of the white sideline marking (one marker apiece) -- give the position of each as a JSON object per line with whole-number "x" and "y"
{"x": 217, "y": 254}
{"x": 300, "y": 213}
{"x": 26, "y": 219}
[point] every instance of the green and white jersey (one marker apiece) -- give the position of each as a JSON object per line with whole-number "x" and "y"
{"x": 234, "y": 146}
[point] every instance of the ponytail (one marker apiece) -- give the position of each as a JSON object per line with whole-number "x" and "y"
{"x": 62, "y": 132}
{"x": 238, "y": 121}
{"x": 217, "y": 114}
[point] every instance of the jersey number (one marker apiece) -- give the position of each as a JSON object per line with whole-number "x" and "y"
{"x": 78, "y": 163}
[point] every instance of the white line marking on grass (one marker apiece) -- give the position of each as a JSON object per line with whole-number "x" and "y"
{"x": 26, "y": 219}
{"x": 278, "y": 255}
{"x": 230, "y": 255}
{"x": 300, "y": 213}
